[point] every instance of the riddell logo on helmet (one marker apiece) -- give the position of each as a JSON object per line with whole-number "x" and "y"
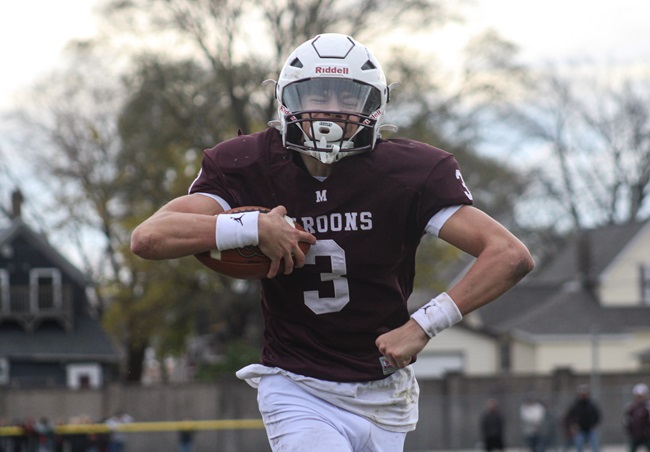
{"x": 332, "y": 70}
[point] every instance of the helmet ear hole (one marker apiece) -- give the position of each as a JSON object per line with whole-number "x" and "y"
{"x": 364, "y": 137}
{"x": 293, "y": 134}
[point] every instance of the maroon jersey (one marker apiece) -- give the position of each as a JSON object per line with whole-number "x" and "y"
{"x": 368, "y": 216}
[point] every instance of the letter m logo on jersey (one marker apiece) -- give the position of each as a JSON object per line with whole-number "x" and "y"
{"x": 321, "y": 195}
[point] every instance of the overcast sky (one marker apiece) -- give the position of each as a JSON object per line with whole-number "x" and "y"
{"x": 33, "y": 33}
{"x": 561, "y": 29}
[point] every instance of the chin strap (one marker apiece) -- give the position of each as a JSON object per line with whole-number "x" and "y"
{"x": 328, "y": 137}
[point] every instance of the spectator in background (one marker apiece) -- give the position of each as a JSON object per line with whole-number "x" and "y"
{"x": 96, "y": 442}
{"x": 186, "y": 438}
{"x": 584, "y": 418}
{"x": 59, "y": 438}
{"x": 492, "y": 427}
{"x": 637, "y": 418}
{"x": 44, "y": 434}
{"x": 117, "y": 441}
{"x": 6, "y": 440}
{"x": 15, "y": 442}
{"x": 29, "y": 437}
{"x": 77, "y": 441}
{"x": 550, "y": 427}
{"x": 532, "y": 415}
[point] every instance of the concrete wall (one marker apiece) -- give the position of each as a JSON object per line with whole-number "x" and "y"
{"x": 449, "y": 408}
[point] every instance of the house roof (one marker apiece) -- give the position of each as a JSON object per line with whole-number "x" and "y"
{"x": 554, "y": 300}
{"x": 564, "y": 310}
{"x": 18, "y": 228}
{"x": 87, "y": 341}
{"x": 599, "y": 247}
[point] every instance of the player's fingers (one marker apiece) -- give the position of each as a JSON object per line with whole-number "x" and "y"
{"x": 399, "y": 362}
{"x": 273, "y": 269}
{"x": 395, "y": 357}
{"x": 381, "y": 345}
{"x": 298, "y": 257}
{"x": 304, "y": 236}
{"x": 288, "y": 263}
{"x": 279, "y": 210}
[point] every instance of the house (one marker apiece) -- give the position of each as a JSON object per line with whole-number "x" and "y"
{"x": 587, "y": 309}
{"x": 48, "y": 333}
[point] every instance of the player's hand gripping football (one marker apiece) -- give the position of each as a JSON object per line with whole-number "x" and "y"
{"x": 402, "y": 344}
{"x": 279, "y": 241}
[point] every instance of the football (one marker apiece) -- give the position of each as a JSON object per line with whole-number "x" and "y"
{"x": 248, "y": 262}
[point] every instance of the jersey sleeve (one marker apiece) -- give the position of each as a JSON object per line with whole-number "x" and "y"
{"x": 443, "y": 188}
{"x": 239, "y": 170}
{"x": 211, "y": 180}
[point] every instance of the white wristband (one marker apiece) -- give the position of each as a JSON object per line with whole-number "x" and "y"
{"x": 437, "y": 315}
{"x": 236, "y": 230}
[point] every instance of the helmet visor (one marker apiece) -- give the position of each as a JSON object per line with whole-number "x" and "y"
{"x": 331, "y": 94}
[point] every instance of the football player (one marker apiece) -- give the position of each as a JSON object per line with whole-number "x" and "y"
{"x": 335, "y": 370}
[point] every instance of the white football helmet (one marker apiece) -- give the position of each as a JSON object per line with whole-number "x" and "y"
{"x": 331, "y": 96}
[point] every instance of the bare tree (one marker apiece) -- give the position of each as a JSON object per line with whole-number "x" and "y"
{"x": 72, "y": 145}
{"x": 595, "y": 145}
{"x": 229, "y": 35}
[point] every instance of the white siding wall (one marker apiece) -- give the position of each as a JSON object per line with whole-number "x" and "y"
{"x": 475, "y": 354}
{"x": 620, "y": 283}
{"x": 609, "y": 353}
{"x": 523, "y": 357}
{"x": 479, "y": 352}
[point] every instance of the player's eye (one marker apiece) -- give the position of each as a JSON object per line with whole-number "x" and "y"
{"x": 316, "y": 100}
{"x": 348, "y": 101}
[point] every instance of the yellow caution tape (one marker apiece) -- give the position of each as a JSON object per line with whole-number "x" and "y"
{"x": 219, "y": 424}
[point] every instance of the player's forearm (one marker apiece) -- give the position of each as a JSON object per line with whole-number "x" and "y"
{"x": 496, "y": 270}
{"x": 169, "y": 235}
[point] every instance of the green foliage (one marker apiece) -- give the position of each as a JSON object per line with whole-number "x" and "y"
{"x": 438, "y": 264}
{"x": 237, "y": 355}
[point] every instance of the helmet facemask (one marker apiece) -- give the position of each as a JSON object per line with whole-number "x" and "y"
{"x": 329, "y": 118}
{"x": 331, "y": 98}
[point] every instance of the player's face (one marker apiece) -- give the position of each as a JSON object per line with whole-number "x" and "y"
{"x": 331, "y": 106}
{"x": 343, "y": 102}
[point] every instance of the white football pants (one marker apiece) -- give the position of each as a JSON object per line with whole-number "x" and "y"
{"x": 297, "y": 421}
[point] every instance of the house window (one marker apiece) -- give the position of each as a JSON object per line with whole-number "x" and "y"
{"x": 4, "y": 371}
{"x": 505, "y": 355}
{"x": 644, "y": 360}
{"x": 4, "y": 291}
{"x": 45, "y": 289}
{"x": 645, "y": 284}
{"x": 81, "y": 376}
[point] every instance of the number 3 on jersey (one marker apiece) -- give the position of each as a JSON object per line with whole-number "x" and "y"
{"x": 326, "y": 305}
